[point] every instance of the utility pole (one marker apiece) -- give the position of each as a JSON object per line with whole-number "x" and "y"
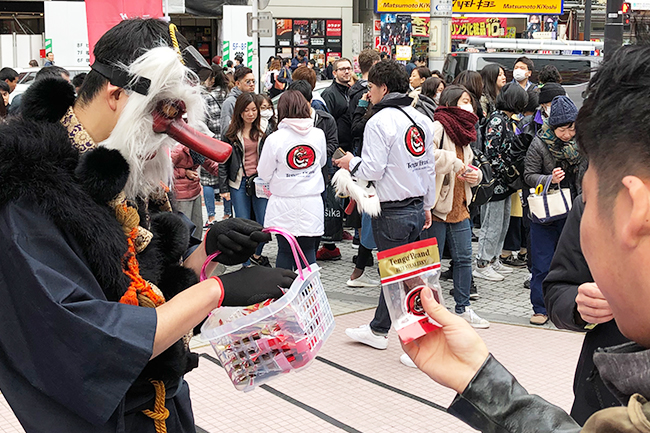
{"x": 256, "y": 46}
{"x": 439, "y": 33}
{"x": 613, "y": 27}
{"x": 587, "y": 31}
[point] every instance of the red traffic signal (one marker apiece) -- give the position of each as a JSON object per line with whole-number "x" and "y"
{"x": 626, "y": 8}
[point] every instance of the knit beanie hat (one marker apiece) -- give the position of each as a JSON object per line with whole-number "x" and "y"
{"x": 549, "y": 91}
{"x": 563, "y": 111}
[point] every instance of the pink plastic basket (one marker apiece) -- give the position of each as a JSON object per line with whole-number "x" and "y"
{"x": 281, "y": 337}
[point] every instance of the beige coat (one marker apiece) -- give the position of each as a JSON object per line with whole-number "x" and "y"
{"x": 447, "y": 167}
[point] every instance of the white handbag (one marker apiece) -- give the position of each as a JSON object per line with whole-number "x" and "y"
{"x": 550, "y": 205}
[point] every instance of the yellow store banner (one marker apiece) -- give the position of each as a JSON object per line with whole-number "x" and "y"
{"x": 545, "y": 7}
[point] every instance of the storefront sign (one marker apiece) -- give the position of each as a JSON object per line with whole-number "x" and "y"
{"x": 284, "y": 32}
{"x": 642, "y": 5}
{"x": 301, "y": 33}
{"x": 333, "y": 27}
{"x": 463, "y": 28}
{"x": 377, "y": 26}
{"x": 403, "y": 52}
{"x": 410, "y": 6}
{"x": 475, "y": 6}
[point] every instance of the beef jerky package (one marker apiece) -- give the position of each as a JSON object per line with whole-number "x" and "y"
{"x": 405, "y": 271}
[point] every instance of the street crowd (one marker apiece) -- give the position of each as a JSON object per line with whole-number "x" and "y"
{"x": 449, "y": 160}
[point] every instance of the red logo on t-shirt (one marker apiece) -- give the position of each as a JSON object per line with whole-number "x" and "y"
{"x": 415, "y": 140}
{"x": 301, "y": 157}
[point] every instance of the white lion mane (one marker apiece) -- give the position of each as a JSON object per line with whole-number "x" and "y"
{"x": 133, "y": 135}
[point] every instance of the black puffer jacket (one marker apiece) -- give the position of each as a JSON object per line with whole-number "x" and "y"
{"x": 568, "y": 271}
{"x": 337, "y": 98}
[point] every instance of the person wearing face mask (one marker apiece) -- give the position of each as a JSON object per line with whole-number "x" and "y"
{"x": 522, "y": 71}
{"x": 500, "y": 141}
{"x": 454, "y": 130}
{"x": 552, "y": 154}
{"x": 268, "y": 121}
{"x": 432, "y": 88}
{"x": 547, "y": 93}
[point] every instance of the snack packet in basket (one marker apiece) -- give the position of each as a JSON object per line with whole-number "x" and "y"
{"x": 405, "y": 271}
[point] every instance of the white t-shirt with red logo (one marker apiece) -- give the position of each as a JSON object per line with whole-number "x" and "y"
{"x": 398, "y": 156}
{"x": 291, "y": 161}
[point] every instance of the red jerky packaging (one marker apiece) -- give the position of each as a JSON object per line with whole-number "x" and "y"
{"x": 405, "y": 271}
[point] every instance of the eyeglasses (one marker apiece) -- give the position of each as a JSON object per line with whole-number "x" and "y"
{"x": 249, "y": 82}
{"x": 564, "y": 129}
{"x": 345, "y": 69}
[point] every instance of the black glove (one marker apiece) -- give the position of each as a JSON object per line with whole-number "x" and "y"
{"x": 236, "y": 238}
{"x": 249, "y": 286}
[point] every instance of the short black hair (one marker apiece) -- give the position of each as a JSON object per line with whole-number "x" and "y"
{"x": 312, "y": 61}
{"x": 51, "y": 71}
{"x": 302, "y": 53}
{"x": 533, "y": 99}
{"x": 512, "y": 98}
{"x": 285, "y": 61}
{"x": 242, "y": 72}
{"x": 78, "y": 79}
{"x": 390, "y": 73}
{"x": 526, "y": 61}
{"x": 8, "y": 74}
{"x": 229, "y": 63}
{"x": 452, "y": 93}
{"x": 549, "y": 74}
{"x": 123, "y": 44}
{"x": 303, "y": 87}
{"x": 240, "y": 59}
{"x": 612, "y": 127}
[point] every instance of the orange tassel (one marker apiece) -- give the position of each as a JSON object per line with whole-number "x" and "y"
{"x": 138, "y": 284}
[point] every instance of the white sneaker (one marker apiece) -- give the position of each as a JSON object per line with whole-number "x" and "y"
{"x": 474, "y": 320}
{"x": 406, "y": 360}
{"x": 363, "y": 334}
{"x": 363, "y": 281}
{"x": 500, "y": 267}
{"x": 487, "y": 273}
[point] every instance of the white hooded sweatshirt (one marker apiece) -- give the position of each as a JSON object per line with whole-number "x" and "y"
{"x": 291, "y": 162}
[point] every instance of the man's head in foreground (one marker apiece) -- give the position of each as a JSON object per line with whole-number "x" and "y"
{"x": 135, "y": 69}
{"x": 614, "y": 132}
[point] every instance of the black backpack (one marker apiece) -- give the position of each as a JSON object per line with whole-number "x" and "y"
{"x": 482, "y": 193}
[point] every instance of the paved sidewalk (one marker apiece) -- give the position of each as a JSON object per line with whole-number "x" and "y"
{"x": 354, "y": 388}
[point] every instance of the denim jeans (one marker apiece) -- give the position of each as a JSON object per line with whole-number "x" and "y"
{"x": 495, "y": 219}
{"x": 208, "y": 197}
{"x": 245, "y": 206}
{"x": 393, "y": 228}
{"x": 460, "y": 246}
{"x": 543, "y": 239}
{"x": 285, "y": 259}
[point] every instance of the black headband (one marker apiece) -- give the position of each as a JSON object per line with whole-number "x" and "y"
{"x": 120, "y": 78}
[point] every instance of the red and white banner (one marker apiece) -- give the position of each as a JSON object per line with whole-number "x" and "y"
{"x": 102, "y": 15}
{"x": 333, "y": 27}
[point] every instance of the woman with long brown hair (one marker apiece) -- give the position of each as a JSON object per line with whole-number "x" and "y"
{"x": 237, "y": 174}
{"x": 291, "y": 162}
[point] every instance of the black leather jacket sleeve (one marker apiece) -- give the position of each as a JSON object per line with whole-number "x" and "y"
{"x": 568, "y": 270}
{"x": 494, "y": 402}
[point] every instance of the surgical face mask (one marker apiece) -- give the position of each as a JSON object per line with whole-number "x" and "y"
{"x": 266, "y": 114}
{"x": 467, "y": 107}
{"x": 437, "y": 98}
{"x": 519, "y": 74}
